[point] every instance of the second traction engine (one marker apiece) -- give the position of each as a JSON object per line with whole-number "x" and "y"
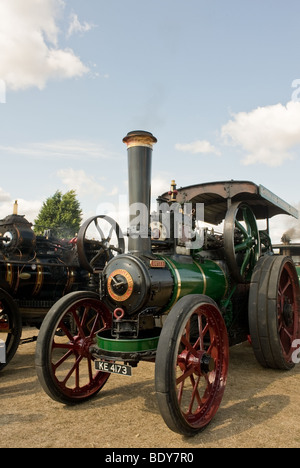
{"x": 36, "y": 270}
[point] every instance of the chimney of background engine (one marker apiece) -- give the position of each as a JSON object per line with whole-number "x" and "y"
{"x": 139, "y": 148}
{"x": 15, "y": 208}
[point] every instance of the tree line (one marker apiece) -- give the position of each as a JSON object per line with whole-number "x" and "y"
{"x": 61, "y": 214}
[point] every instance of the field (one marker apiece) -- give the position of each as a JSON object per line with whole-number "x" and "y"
{"x": 261, "y": 408}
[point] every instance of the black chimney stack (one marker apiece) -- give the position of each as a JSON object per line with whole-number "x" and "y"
{"x": 139, "y": 146}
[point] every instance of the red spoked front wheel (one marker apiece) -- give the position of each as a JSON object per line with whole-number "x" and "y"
{"x": 191, "y": 364}
{"x": 64, "y": 363}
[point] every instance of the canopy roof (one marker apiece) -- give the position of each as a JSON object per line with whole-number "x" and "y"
{"x": 217, "y": 197}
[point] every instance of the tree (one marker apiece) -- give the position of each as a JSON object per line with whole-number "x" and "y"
{"x": 61, "y": 214}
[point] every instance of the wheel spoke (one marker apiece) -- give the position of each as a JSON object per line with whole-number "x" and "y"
{"x": 75, "y": 368}
{"x": 66, "y": 331}
{"x": 99, "y": 229}
{"x": 180, "y": 392}
{"x": 245, "y": 262}
{"x": 241, "y": 228}
{"x": 195, "y": 394}
{"x": 184, "y": 376}
{"x": 98, "y": 254}
{"x": 79, "y": 322}
{"x": 282, "y": 289}
{"x": 284, "y": 332}
{"x": 94, "y": 328}
{"x": 90, "y": 369}
{"x": 63, "y": 358}
{"x": 212, "y": 345}
{"x": 188, "y": 345}
{"x": 247, "y": 244}
{"x": 108, "y": 239}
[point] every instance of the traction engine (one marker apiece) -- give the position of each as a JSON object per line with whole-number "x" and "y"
{"x": 179, "y": 297}
{"x": 36, "y": 271}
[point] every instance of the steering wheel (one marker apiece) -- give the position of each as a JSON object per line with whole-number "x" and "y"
{"x": 99, "y": 239}
{"x": 241, "y": 241}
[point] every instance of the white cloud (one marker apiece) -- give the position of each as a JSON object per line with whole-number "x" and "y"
{"x": 159, "y": 185}
{"x": 282, "y": 224}
{"x": 81, "y": 182}
{"x": 267, "y": 134}
{"x": 28, "y": 208}
{"x": 29, "y": 44}
{"x": 114, "y": 191}
{"x": 196, "y": 147}
{"x": 4, "y": 196}
{"x": 64, "y": 149}
{"x": 77, "y": 27}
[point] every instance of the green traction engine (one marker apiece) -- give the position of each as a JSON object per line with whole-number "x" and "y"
{"x": 179, "y": 294}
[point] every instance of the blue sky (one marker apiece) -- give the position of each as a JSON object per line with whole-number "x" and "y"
{"x": 215, "y": 81}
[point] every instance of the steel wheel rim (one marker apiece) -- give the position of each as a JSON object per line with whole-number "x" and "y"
{"x": 71, "y": 362}
{"x": 204, "y": 388}
{"x": 287, "y": 310}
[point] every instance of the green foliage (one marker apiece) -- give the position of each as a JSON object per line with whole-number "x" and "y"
{"x": 61, "y": 214}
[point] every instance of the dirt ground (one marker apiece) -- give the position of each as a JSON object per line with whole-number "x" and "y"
{"x": 261, "y": 408}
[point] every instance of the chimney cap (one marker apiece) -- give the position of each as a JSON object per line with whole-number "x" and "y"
{"x": 139, "y": 138}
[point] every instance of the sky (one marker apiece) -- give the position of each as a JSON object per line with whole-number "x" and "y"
{"x": 217, "y": 82}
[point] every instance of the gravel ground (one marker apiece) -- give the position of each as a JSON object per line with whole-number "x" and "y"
{"x": 261, "y": 408}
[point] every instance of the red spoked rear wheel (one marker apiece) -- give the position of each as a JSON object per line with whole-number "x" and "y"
{"x": 64, "y": 363}
{"x": 274, "y": 311}
{"x": 191, "y": 364}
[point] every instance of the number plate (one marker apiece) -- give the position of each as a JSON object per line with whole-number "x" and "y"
{"x": 113, "y": 368}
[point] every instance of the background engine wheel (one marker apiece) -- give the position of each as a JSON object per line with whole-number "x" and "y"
{"x": 274, "y": 311}
{"x": 191, "y": 364}
{"x": 99, "y": 239}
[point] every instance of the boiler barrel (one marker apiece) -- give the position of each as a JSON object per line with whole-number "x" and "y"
{"x": 39, "y": 280}
{"x": 206, "y": 277}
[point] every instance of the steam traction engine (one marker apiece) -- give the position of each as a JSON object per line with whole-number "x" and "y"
{"x": 180, "y": 297}
{"x": 36, "y": 271}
